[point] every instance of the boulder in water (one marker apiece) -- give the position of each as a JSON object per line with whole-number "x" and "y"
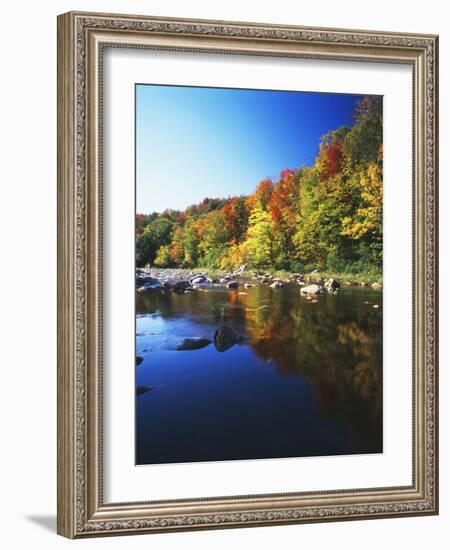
{"x": 143, "y": 389}
{"x": 198, "y": 279}
{"x": 189, "y": 344}
{"x": 332, "y": 284}
{"x": 276, "y": 284}
{"x": 148, "y": 286}
{"x": 225, "y": 337}
{"x": 232, "y": 284}
{"x": 311, "y": 289}
{"x": 181, "y": 286}
{"x": 142, "y": 277}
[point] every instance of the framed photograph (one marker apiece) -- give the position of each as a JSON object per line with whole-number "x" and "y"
{"x": 247, "y": 283}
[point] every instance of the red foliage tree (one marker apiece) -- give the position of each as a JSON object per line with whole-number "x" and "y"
{"x": 282, "y": 203}
{"x": 263, "y": 192}
{"x": 333, "y": 156}
{"x": 235, "y": 214}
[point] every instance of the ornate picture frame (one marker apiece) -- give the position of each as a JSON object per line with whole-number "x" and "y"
{"x": 82, "y": 38}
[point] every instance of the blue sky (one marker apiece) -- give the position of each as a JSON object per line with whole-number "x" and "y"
{"x": 193, "y": 143}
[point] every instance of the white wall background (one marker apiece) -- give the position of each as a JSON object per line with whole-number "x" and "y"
{"x": 28, "y": 271}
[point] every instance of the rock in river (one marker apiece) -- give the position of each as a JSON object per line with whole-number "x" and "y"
{"x": 376, "y": 286}
{"x": 143, "y": 277}
{"x": 225, "y": 338}
{"x": 198, "y": 279}
{"x": 154, "y": 285}
{"x": 311, "y": 289}
{"x": 332, "y": 284}
{"x": 276, "y": 284}
{"x": 143, "y": 389}
{"x": 181, "y": 286}
{"x": 233, "y": 284}
{"x": 189, "y": 344}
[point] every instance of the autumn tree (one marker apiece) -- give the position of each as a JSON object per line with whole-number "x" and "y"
{"x": 260, "y": 241}
{"x": 235, "y": 216}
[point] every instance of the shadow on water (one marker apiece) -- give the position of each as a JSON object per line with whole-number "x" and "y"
{"x": 306, "y": 379}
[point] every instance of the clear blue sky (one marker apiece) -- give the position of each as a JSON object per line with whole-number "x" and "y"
{"x": 193, "y": 143}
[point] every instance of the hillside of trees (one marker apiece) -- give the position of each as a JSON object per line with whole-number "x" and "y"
{"x": 326, "y": 216}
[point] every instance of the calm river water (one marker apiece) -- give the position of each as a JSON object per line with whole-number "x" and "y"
{"x": 305, "y": 381}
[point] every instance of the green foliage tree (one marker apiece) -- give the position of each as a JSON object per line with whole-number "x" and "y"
{"x": 213, "y": 239}
{"x": 157, "y": 233}
{"x": 163, "y": 257}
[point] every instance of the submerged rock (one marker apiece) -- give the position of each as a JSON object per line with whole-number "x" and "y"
{"x": 311, "y": 289}
{"x": 143, "y": 389}
{"x": 139, "y": 360}
{"x": 225, "y": 337}
{"x": 189, "y": 344}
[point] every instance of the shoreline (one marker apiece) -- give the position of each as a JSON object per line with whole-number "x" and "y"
{"x": 182, "y": 274}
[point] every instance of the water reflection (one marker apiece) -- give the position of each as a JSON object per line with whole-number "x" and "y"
{"x": 333, "y": 346}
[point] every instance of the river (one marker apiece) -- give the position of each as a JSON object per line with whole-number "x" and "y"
{"x": 306, "y": 379}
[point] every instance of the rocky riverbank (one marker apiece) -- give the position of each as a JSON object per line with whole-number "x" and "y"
{"x": 186, "y": 280}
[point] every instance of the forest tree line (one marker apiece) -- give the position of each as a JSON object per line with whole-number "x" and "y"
{"x": 326, "y": 216}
